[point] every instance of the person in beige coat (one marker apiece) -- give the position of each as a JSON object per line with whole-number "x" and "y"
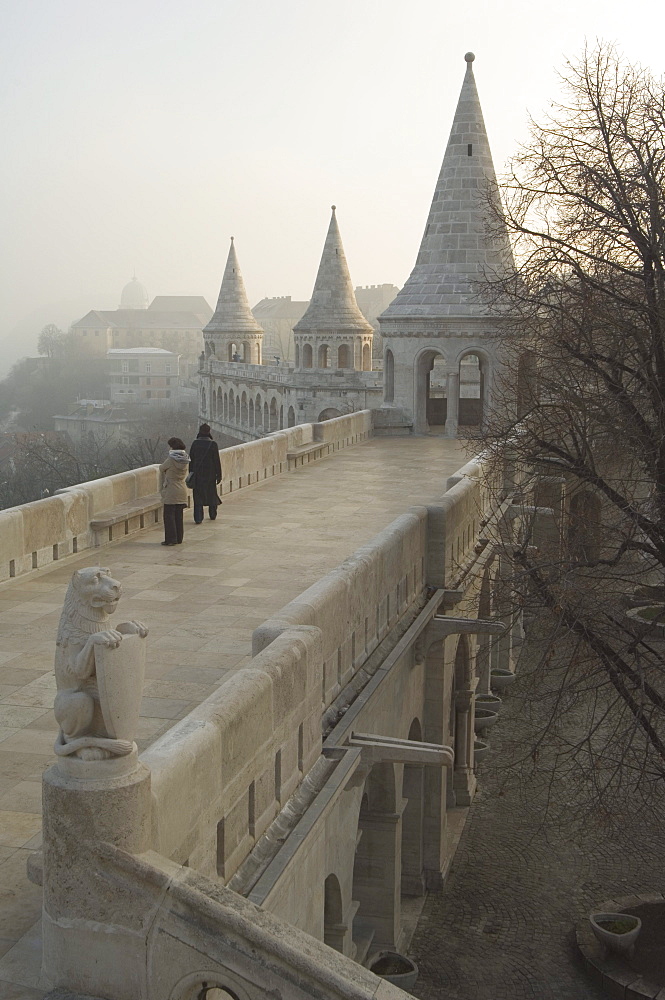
{"x": 173, "y": 489}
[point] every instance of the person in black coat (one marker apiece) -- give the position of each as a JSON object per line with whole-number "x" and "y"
{"x": 205, "y": 471}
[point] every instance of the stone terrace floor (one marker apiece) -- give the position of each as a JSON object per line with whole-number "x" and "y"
{"x": 201, "y": 601}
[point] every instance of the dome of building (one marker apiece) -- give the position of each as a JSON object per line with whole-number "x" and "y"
{"x": 134, "y": 296}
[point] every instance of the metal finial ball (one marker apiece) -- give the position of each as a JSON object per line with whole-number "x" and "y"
{"x": 469, "y": 57}
{"x": 333, "y": 207}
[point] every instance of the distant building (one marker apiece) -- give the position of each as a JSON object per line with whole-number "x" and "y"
{"x": 95, "y": 420}
{"x": 277, "y": 316}
{"x": 140, "y": 375}
{"x": 171, "y": 322}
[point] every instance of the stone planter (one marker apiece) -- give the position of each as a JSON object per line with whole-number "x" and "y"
{"x": 483, "y": 719}
{"x": 394, "y": 968}
{"x": 501, "y": 678}
{"x": 481, "y": 748}
{"x": 652, "y": 617}
{"x": 622, "y": 943}
{"x": 491, "y": 701}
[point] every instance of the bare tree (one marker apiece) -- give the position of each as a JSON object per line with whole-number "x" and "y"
{"x": 578, "y": 429}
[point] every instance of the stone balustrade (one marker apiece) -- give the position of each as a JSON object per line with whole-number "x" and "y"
{"x": 36, "y": 534}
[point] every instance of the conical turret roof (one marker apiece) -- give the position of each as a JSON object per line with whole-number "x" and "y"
{"x": 333, "y": 304}
{"x": 232, "y": 314}
{"x": 457, "y": 248}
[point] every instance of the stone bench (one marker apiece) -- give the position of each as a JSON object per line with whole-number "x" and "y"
{"x": 307, "y": 453}
{"x": 126, "y": 518}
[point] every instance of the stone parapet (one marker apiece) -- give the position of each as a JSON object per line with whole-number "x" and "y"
{"x": 37, "y": 534}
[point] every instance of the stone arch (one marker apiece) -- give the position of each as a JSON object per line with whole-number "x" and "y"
{"x": 432, "y": 387}
{"x": 220, "y": 403}
{"x": 213, "y": 404}
{"x": 413, "y": 789}
{"x": 244, "y": 414}
{"x": 231, "y": 351}
{"x": 208, "y": 985}
{"x": 266, "y": 417}
{"x": 329, "y": 414}
{"x": 307, "y": 356}
{"x": 204, "y": 405}
{"x": 367, "y": 358}
{"x": 376, "y": 887}
{"x": 232, "y": 406}
{"x": 344, "y": 359}
{"x": 281, "y": 417}
{"x": 297, "y": 355}
{"x": 472, "y": 369}
{"x": 251, "y": 414}
{"x": 584, "y": 526}
{"x": 389, "y": 377}
{"x": 273, "y": 416}
{"x": 238, "y": 411}
{"x": 258, "y": 411}
{"x": 333, "y": 914}
{"x": 323, "y": 357}
{"x": 226, "y": 406}
{"x": 209, "y": 349}
{"x": 291, "y": 418}
{"x": 246, "y": 352}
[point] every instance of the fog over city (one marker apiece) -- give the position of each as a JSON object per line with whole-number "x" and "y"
{"x": 139, "y": 135}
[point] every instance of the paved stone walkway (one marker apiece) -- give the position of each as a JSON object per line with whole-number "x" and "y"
{"x": 502, "y": 927}
{"x": 201, "y": 601}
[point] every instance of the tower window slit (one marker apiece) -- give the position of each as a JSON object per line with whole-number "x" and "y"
{"x": 469, "y": 149}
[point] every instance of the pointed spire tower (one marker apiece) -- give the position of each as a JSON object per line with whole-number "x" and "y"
{"x": 233, "y": 331}
{"x": 333, "y": 333}
{"x": 457, "y": 247}
{"x": 440, "y": 320}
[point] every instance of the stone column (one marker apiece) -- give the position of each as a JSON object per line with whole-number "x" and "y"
{"x": 464, "y": 781}
{"x": 452, "y": 410}
{"x": 89, "y": 946}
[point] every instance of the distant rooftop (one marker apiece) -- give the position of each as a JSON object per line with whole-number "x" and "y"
{"x": 140, "y": 350}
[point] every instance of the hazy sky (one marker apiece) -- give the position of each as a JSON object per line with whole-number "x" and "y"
{"x": 141, "y": 134}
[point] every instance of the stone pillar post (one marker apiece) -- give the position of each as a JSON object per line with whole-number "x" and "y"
{"x": 464, "y": 782}
{"x": 87, "y": 948}
{"x": 377, "y": 875}
{"x": 452, "y": 410}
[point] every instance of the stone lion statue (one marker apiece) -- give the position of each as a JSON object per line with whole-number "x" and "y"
{"x": 84, "y": 715}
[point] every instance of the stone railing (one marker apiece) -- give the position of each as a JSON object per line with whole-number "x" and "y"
{"x": 36, "y": 534}
{"x": 262, "y": 731}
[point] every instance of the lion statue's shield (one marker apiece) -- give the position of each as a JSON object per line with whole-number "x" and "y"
{"x": 120, "y": 673}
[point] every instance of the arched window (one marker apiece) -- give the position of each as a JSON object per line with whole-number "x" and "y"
{"x": 324, "y": 356}
{"x": 251, "y": 414}
{"x": 367, "y": 358}
{"x": 204, "y": 408}
{"x": 389, "y": 377}
{"x": 238, "y": 410}
{"x": 226, "y": 406}
{"x": 344, "y": 356}
{"x": 243, "y": 410}
{"x": 273, "y": 415}
{"x": 246, "y": 352}
{"x": 584, "y": 527}
{"x": 307, "y": 356}
{"x": 258, "y": 411}
{"x": 471, "y": 391}
{"x": 297, "y": 355}
{"x": 333, "y": 931}
{"x": 291, "y": 418}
